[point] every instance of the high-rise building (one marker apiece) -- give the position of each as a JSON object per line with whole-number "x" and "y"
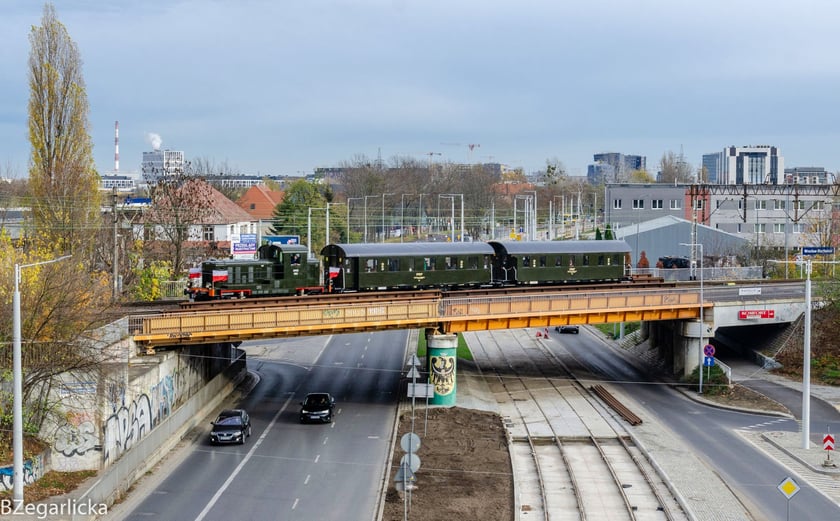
{"x": 713, "y": 166}
{"x": 621, "y": 165}
{"x": 752, "y": 165}
{"x": 161, "y": 163}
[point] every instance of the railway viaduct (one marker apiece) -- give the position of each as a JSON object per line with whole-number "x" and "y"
{"x": 670, "y": 317}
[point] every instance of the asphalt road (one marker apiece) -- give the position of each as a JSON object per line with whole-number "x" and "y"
{"x": 287, "y": 470}
{"x": 710, "y": 432}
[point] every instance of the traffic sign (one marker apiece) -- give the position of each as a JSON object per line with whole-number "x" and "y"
{"x": 709, "y": 350}
{"x": 828, "y": 442}
{"x": 708, "y": 361}
{"x": 818, "y": 250}
{"x": 788, "y": 487}
{"x": 410, "y": 442}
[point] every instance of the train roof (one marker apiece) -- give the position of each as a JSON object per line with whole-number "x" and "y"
{"x": 397, "y": 249}
{"x": 537, "y": 247}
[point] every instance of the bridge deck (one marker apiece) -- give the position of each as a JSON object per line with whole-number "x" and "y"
{"x": 447, "y": 314}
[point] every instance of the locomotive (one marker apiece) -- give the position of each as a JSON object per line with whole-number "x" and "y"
{"x": 286, "y": 270}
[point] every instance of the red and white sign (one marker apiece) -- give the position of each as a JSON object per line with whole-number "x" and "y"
{"x": 828, "y": 442}
{"x": 748, "y": 314}
{"x": 334, "y": 272}
{"x": 220, "y": 276}
{"x": 195, "y": 273}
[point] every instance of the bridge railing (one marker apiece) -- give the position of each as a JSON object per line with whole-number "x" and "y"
{"x": 709, "y": 273}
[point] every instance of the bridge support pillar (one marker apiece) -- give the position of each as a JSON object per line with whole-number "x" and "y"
{"x": 442, "y": 356}
{"x": 693, "y": 337}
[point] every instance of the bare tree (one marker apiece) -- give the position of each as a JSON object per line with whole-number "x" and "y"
{"x": 673, "y": 168}
{"x": 181, "y": 202}
{"x": 62, "y": 175}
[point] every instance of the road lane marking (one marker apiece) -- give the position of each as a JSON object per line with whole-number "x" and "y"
{"x": 306, "y": 481}
{"x": 242, "y": 463}
{"x": 317, "y": 458}
{"x": 294, "y": 505}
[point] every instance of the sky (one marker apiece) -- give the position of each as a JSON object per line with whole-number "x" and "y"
{"x": 283, "y": 86}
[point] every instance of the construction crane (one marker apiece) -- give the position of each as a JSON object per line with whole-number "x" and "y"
{"x": 471, "y": 146}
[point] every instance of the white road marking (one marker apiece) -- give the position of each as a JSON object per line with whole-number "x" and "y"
{"x": 242, "y": 463}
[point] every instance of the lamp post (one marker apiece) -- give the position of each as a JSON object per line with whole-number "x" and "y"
{"x": 462, "y": 213}
{"x": 348, "y": 214}
{"x": 533, "y": 222}
{"x": 700, "y": 367}
{"x": 806, "y": 362}
{"x": 17, "y": 372}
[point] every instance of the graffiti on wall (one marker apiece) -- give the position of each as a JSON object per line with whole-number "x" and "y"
{"x": 77, "y": 436}
{"x": 33, "y": 469}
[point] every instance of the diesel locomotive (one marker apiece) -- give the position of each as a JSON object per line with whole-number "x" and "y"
{"x": 285, "y": 269}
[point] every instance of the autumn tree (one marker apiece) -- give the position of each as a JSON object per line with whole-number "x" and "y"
{"x": 641, "y": 176}
{"x": 62, "y": 175}
{"x": 60, "y": 303}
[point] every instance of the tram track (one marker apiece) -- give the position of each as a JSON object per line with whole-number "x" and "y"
{"x": 572, "y": 457}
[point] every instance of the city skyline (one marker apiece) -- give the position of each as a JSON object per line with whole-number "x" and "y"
{"x": 296, "y": 87}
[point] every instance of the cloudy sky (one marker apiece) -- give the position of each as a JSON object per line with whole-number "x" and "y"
{"x": 282, "y": 86}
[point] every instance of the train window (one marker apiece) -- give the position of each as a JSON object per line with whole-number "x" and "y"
{"x": 571, "y": 261}
{"x": 558, "y": 261}
{"x": 251, "y": 274}
{"x": 616, "y": 259}
{"x": 601, "y": 260}
{"x": 473, "y": 262}
{"x": 294, "y": 260}
{"x": 370, "y": 265}
{"x": 585, "y": 260}
{"x": 348, "y": 266}
{"x": 393, "y": 264}
{"x": 526, "y": 261}
{"x": 450, "y": 263}
{"x": 486, "y": 261}
{"x": 429, "y": 263}
{"x": 542, "y": 261}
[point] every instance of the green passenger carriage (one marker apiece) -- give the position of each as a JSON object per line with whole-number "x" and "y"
{"x": 560, "y": 262}
{"x": 416, "y": 265}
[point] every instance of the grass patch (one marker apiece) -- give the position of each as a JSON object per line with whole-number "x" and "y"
{"x": 463, "y": 351}
{"x": 612, "y": 330}
{"x": 52, "y": 484}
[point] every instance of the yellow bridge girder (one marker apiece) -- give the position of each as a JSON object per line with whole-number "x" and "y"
{"x": 449, "y": 315}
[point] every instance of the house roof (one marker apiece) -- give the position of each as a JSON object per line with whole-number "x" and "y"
{"x": 225, "y": 211}
{"x": 259, "y": 201}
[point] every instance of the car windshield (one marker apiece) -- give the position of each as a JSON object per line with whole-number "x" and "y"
{"x": 230, "y": 420}
{"x": 320, "y": 399}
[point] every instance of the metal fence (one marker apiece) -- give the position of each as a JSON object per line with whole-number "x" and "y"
{"x": 714, "y": 273}
{"x": 170, "y": 289}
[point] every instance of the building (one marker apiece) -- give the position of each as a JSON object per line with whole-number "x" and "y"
{"x": 773, "y": 216}
{"x": 752, "y": 165}
{"x": 622, "y": 165}
{"x": 161, "y": 163}
{"x": 713, "y": 167}
{"x": 808, "y": 175}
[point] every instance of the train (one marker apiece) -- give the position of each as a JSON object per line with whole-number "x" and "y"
{"x": 288, "y": 269}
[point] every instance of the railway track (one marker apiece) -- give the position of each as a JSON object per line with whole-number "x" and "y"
{"x": 572, "y": 457}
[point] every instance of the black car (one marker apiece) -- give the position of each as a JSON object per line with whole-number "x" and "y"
{"x": 567, "y": 329}
{"x": 317, "y": 407}
{"x": 231, "y": 426}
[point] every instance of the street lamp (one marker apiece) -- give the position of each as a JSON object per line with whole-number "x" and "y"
{"x": 17, "y": 372}
{"x": 806, "y": 363}
{"x": 452, "y": 219}
{"x": 309, "y": 231}
{"x": 694, "y": 264}
{"x": 462, "y": 213}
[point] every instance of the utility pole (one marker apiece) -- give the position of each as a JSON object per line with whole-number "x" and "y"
{"x": 116, "y": 246}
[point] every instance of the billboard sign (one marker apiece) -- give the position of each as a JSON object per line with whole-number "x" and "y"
{"x": 281, "y": 239}
{"x": 818, "y": 250}
{"x": 748, "y": 314}
{"x": 243, "y": 246}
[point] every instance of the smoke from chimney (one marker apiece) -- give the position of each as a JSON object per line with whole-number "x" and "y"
{"x": 155, "y": 140}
